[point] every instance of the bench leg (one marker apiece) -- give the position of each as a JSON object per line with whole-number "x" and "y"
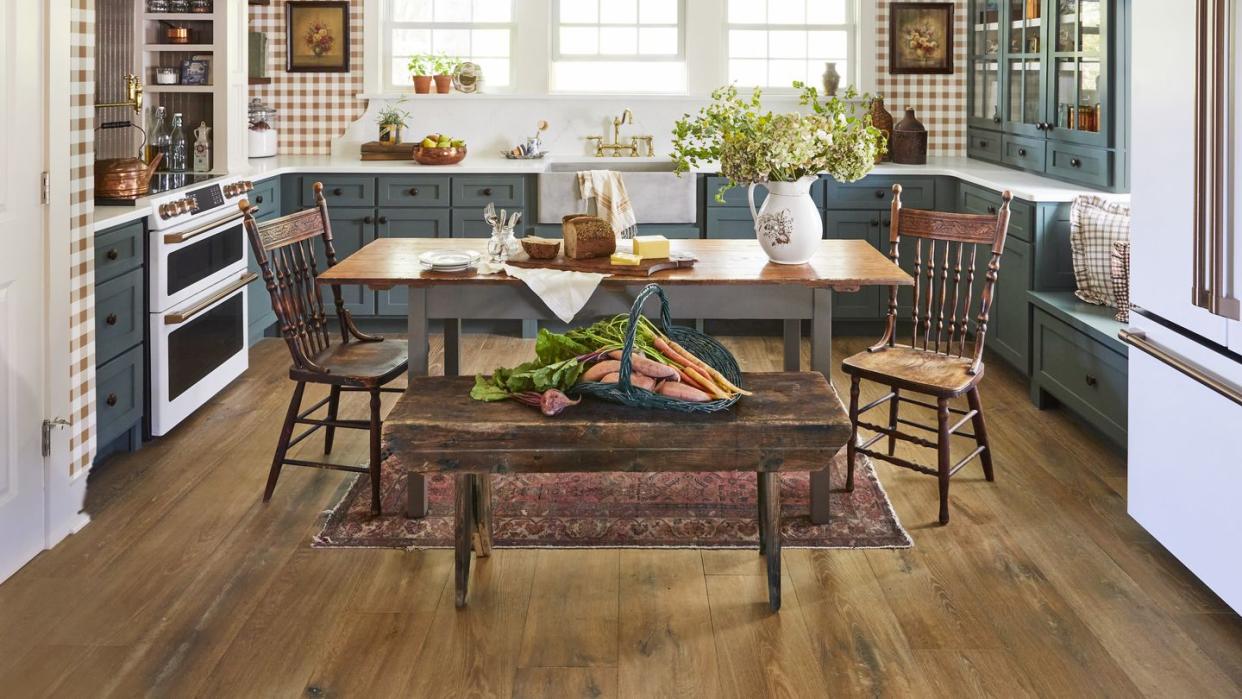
{"x": 483, "y": 514}
{"x": 464, "y": 531}
{"x": 763, "y": 513}
{"x": 770, "y": 505}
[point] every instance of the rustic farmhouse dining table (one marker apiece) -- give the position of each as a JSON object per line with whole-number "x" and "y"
{"x": 732, "y": 279}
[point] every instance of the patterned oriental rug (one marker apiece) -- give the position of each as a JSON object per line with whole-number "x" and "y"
{"x": 622, "y": 510}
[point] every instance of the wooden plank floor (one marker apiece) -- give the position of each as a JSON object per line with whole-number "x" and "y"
{"x": 185, "y": 584}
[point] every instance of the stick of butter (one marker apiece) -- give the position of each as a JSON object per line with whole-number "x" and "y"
{"x": 625, "y": 258}
{"x": 651, "y": 246}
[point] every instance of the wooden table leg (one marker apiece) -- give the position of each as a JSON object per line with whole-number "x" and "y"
{"x": 763, "y": 511}
{"x": 483, "y": 514}
{"x": 770, "y": 506}
{"x": 463, "y": 530}
{"x": 793, "y": 344}
{"x": 821, "y": 361}
{"x": 452, "y": 346}
{"x": 420, "y": 349}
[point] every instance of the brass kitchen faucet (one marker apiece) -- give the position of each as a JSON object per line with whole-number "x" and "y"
{"x": 617, "y": 148}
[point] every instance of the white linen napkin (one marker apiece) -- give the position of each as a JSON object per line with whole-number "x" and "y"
{"x": 562, "y": 291}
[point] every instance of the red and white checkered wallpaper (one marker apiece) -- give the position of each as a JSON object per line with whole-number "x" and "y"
{"x": 313, "y": 108}
{"x": 939, "y": 101}
{"x": 81, "y": 234}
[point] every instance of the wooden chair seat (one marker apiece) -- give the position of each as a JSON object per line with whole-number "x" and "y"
{"x": 916, "y": 369}
{"x": 362, "y": 364}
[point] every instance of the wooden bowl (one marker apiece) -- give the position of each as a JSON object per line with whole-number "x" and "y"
{"x": 440, "y": 156}
{"x": 541, "y": 248}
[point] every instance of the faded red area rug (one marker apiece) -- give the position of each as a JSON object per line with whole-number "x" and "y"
{"x": 622, "y": 510}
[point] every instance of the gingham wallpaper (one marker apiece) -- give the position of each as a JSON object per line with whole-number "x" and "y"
{"x": 939, "y": 101}
{"x": 313, "y": 108}
{"x": 81, "y": 234}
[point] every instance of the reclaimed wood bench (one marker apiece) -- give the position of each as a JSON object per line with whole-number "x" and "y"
{"x": 793, "y": 422}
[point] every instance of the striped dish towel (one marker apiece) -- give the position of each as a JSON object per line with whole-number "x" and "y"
{"x": 612, "y": 203}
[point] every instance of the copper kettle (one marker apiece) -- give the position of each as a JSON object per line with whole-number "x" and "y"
{"x": 124, "y": 178}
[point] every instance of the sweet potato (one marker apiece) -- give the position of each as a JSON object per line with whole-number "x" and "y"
{"x": 600, "y": 370}
{"x": 650, "y": 367}
{"x": 683, "y": 392}
{"x": 636, "y": 379}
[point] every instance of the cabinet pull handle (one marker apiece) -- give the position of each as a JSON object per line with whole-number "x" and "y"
{"x": 110, "y": 400}
{"x": 879, "y": 194}
{"x": 487, "y": 191}
{"x": 875, "y": 222}
{"x": 413, "y": 191}
{"x": 1022, "y": 152}
{"x": 996, "y": 119}
{"x": 1091, "y": 381}
{"x": 111, "y": 319}
{"x": 383, "y": 219}
{"x": 1075, "y": 162}
{"x": 258, "y": 199}
{"x": 337, "y": 192}
{"x": 983, "y": 144}
{"x": 368, "y": 220}
{"x": 991, "y": 209}
{"x": 112, "y": 254}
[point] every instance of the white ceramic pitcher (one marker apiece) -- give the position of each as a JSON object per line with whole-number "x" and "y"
{"x": 788, "y": 225}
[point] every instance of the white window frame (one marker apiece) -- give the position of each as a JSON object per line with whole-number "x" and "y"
{"x": 557, "y": 56}
{"x": 851, "y": 28}
{"x": 387, "y": 26}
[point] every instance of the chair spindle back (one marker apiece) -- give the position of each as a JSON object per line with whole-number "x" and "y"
{"x": 944, "y": 276}
{"x": 286, "y": 252}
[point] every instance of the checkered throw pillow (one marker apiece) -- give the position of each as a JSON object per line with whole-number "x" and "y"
{"x": 1120, "y": 273}
{"x": 1095, "y": 224}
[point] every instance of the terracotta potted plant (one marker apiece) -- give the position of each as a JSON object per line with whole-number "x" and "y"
{"x": 420, "y": 68}
{"x": 391, "y": 119}
{"x": 442, "y": 69}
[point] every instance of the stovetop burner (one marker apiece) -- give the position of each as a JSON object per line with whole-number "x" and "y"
{"x": 161, "y": 182}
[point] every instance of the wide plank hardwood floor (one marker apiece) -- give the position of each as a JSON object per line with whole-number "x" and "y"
{"x": 186, "y": 584}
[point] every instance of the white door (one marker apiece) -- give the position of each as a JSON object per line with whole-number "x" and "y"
{"x": 22, "y": 300}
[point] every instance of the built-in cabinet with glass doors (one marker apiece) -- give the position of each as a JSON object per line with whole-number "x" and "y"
{"x": 1047, "y": 85}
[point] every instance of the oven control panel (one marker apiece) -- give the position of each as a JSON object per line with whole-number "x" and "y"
{"x": 199, "y": 204}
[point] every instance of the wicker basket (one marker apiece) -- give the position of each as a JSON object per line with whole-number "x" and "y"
{"x": 702, "y": 346}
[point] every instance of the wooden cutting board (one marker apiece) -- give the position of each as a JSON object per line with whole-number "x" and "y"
{"x": 602, "y": 265}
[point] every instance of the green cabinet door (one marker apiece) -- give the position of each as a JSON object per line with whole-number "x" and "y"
{"x": 1009, "y": 326}
{"x": 406, "y": 223}
{"x": 869, "y": 302}
{"x": 352, "y": 227}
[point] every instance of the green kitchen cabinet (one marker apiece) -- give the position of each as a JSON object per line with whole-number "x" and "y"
{"x": 1009, "y": 323}
{"x": 352, "y": 227}
{"x": 868, "y": 303}
{"x": 406, "y": 223}
{"x": 267, "y": 197}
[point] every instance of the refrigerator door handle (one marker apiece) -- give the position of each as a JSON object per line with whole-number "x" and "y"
{"x": 1139, "y": 339}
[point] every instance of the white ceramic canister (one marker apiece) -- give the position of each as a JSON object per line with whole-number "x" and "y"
{"x": 788, "y": 225}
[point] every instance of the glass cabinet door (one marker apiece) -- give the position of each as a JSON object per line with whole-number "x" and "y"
{"x": 1079, "y": 83}
{"x": 1024, "y": 109}
{"x": 985, "y": 74}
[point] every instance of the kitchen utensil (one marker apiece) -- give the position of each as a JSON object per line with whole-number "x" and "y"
{"x": 124, "y": 178}
{"x": 440, "y": 156}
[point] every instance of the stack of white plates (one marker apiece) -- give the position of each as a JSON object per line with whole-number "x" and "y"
{"x": 449, "y": 260}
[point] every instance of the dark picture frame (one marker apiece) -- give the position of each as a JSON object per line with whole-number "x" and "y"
{"x": 317, "y": 36}
{"x": 920, "y": 38}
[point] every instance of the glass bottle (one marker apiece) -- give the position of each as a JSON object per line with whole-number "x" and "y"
{"x": 160, "y": 138}
{"x": 178, "y": 147}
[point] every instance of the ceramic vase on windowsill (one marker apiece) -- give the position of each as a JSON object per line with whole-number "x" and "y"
{"x": 788, "y": 224}
{"x": 832, "y": 79}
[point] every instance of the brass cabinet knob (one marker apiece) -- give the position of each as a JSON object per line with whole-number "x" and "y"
{"x": 110, "y": 400}
{"x": 383, "y": 219}
{"x": 1075, "y": 162}
{"x": 112, "y": 254}
{"x": 258, "y": 199}
{"x": 337, "y": 192}
{"x": 487, "y": 191}
{"x": 413, "y": 191}
{"x": 368, "y": 219}
{"x": 111, "y": 319}
{"x": 1022, "y": 152}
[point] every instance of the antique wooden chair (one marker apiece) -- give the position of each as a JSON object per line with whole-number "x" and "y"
{"x": 936, "y": 362}
{"x": 286, "y": 252}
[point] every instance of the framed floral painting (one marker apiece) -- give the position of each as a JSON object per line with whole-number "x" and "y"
{"x": 920, "y": 38}
{"x": 317, "y": 36}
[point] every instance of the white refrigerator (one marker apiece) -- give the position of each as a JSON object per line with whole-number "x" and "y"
{"x": 1185, "y": 373}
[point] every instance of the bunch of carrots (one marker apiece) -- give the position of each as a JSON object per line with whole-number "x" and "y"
{"x": 593, "y": 354}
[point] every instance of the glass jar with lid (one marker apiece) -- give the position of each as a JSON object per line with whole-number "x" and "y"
{"x": 201, "y": 6}
{"x": 178, "y": 5}
{"x": 262, "y": 134}
{"x": 157, "y": 5}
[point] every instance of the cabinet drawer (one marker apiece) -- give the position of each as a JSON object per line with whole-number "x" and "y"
{"x": 1081, "y": 372}
{"x": 266, "y": 196}
{"x": 1026, "y": 153}
{"x": 469, "y": 223}
{"x": 118, "y": 250}
{"x": 1090, "y": 166}
{"x": 118, "y": 395}
{"x": 730, "y": 223}
{"x": 118, "y": 315}
{"x": 414, "y": 190}
{"x": 983, "y": 145}
{"x": 480, "y": 190}
{"x": 736, "y": 196}
{"x": 340, "y": 190}
{"x": 973, "y": 199}
{"x": 876, "y": 192}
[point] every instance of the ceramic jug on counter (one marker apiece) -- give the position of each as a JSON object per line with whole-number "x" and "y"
{"x": 788, "y": 224}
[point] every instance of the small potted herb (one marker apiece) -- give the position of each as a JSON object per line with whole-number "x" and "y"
{"x": 442, "y": 68}
{"x": 421, "y": 68}
{"x": 391, "y": 119}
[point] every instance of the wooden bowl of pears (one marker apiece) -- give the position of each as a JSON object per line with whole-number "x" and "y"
{"x": 440, "y": 149}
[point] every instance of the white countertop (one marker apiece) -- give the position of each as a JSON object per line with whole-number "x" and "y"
{"x": 1032, "y": 188}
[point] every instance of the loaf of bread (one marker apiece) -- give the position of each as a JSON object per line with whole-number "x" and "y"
{"x": 541, "y": 248}
{"x": 587, "y": 237}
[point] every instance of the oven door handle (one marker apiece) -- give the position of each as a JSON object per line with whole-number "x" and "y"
{"x": 1139, "y": 339}
{"x": 174, "y": 238}
{"x": 182, "y": 316}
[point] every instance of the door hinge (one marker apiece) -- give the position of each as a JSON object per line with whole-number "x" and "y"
{"x": 46, "y": 191}
{"x": 47, "y": 432}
